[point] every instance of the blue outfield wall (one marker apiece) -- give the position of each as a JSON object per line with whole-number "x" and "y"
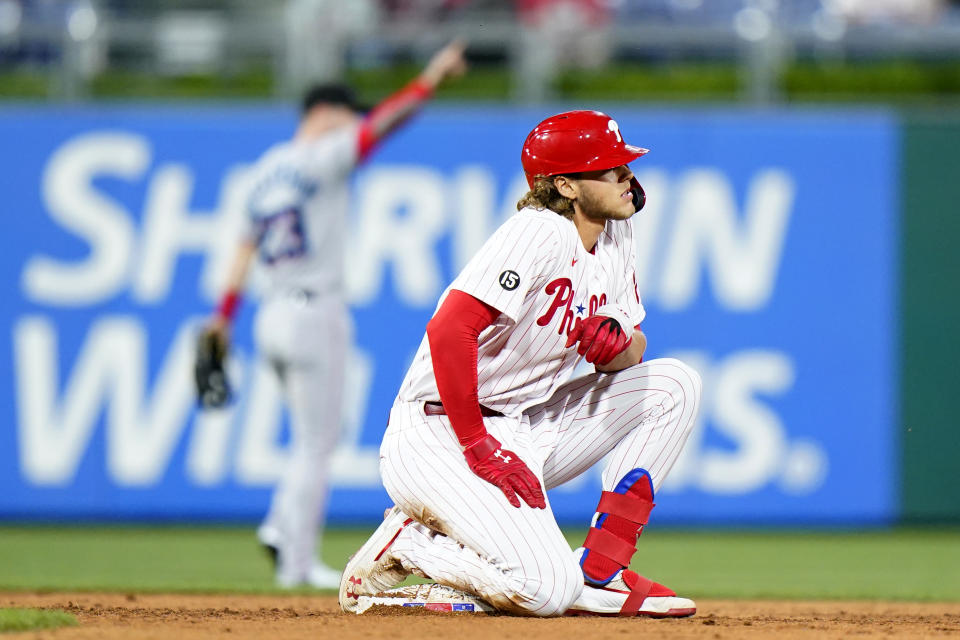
{"x": 767, "y": 259}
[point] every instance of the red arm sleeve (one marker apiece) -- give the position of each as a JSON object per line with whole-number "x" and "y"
{"x": 390, "y": 114}
{"x": 453, "y": 334}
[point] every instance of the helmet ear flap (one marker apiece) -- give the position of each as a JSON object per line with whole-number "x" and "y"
{"x": 639, "y": 196}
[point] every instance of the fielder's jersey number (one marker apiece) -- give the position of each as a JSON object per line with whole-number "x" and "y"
{"x": 509, "y": 280}
{"x": 281, "y": 235}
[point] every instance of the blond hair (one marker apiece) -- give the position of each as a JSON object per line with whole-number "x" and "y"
{"x": 544, "y": 195}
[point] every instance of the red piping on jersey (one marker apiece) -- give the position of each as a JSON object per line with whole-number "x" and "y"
{"x": 390, "y": 114}
{"x": 453, "y": 333}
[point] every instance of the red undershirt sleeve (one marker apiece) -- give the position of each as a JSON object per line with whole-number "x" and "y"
{"x": 453, "y": 333}
{"x": 390, "y": 114}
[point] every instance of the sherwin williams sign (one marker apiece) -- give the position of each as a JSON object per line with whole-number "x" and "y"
{"x": 766, "y": 258}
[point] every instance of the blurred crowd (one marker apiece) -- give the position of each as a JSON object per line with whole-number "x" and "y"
{"x": 590, "y": 12}
{"x": 710, "y": 12}
{"x": 309, "y": 40}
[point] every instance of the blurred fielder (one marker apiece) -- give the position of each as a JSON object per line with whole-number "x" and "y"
{"x": 296, "y": 213}
{"x": 488, "y": 418}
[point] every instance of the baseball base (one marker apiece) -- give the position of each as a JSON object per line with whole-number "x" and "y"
{"x": 433, "y": 597}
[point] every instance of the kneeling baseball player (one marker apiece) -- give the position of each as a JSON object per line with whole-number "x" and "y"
{"x": 488, "y": 418}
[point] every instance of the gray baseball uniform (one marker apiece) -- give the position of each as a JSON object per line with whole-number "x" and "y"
{"x": 296, "y": 212}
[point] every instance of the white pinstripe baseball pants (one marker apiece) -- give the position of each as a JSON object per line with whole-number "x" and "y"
{"x": 517, "y": 559}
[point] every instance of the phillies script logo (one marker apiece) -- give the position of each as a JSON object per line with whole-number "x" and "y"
{"x": 562, "y": 291}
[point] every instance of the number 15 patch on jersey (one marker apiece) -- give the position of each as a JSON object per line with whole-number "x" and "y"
{"x": 509, "y": 280}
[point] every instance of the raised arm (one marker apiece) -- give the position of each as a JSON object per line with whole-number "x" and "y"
{"x": 397, "y": 108}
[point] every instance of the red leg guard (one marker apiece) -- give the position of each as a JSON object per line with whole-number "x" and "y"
{"x": 612, "y": 541}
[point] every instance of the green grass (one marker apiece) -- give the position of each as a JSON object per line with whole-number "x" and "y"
{"x": 682, "y": 82}
{"x": 901, "y": 564}
{"x": 127, "y": 85}
{"x": 30, "y": 619}
{"x": 904, "y": 82}
{"x": 883, "y": 565}
{"x": 24, "y": 85}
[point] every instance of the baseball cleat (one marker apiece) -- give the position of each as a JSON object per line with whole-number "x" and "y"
{"x": 630, "y": 594}
{"x": 270, "y": 539}
{"x": 273, "y": 553}
{"x": 319, "y": 576}
{"x": 433, "y": 597}
{"x": 285, "y": 577}
{"x": 373, "y": 568}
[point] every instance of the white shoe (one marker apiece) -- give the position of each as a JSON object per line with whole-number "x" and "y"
{"x": 270, "y": 539}
{"x": 320, "y": 576}
{"x": 614, "y": 599}
{"x": 323, "y": 577}
{"x": 373, "y": 568}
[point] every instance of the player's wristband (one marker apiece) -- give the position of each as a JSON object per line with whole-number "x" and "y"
{"x": 481, "y": 450}
{"x": 472, "y": 437}
{"x": 229, "y": 304}
{"x": 418, "y": 88}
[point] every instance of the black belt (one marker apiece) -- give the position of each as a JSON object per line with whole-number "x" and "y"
{"x": 436, "y": 409}
{"x": 305, "y": 295}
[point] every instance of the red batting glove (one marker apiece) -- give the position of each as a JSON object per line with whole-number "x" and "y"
{"x": 505, "y": 470}
{"x": 601, "y": 339}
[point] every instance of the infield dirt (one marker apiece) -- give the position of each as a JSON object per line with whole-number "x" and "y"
{"x": 136, "y": 616}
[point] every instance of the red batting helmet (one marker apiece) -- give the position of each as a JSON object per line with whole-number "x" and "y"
{"x": 575, "y": 141}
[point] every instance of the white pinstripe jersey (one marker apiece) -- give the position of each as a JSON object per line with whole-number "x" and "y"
{"x": 296, "y": 210}
{"x": 535, "y": 271}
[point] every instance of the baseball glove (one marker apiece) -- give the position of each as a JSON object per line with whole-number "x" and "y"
{"x": 213, "y": 388}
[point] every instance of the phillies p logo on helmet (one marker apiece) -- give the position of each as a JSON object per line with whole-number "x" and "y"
{"x": 575, "y": 141}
